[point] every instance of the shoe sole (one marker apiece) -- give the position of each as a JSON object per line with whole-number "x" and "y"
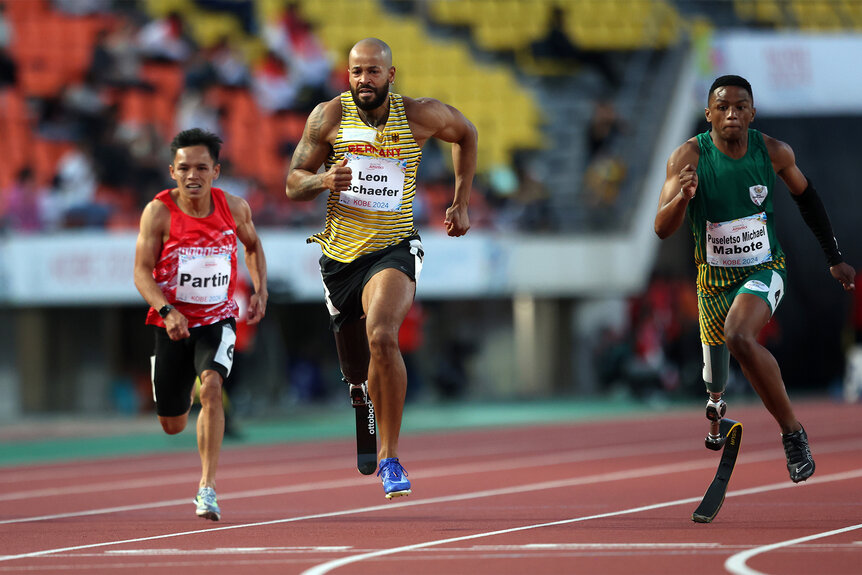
{"x": 211, "y": 515}
{"x": 398, "y": 493}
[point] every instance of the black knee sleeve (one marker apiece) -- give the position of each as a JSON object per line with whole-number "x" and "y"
{"x": 351, "y": 342}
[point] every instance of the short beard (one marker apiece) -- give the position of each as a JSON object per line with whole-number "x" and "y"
{"x": 379, "y": 97}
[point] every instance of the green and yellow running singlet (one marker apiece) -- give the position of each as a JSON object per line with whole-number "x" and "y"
{"x": 377, "y": 210}
{"x": 731, "y": 215}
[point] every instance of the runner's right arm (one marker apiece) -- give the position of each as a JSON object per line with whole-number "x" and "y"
{"x": 155, "y": 220}
{"x": 679, "y": 188}
{"x": 303, "y": 180}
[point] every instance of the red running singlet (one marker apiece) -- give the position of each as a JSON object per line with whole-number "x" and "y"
{"x": 197, "y": 267}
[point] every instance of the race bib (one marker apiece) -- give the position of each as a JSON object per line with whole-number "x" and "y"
{"x": 203, "y": 278}
{"x": 738, "y": 243}
{"x": 377, "y": 184}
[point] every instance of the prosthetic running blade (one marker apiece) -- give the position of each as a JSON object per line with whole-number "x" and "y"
{"x": 366, "y": 430}
{"x": 731, "y": 432}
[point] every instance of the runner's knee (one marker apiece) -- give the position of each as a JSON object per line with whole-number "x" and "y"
{"x": 382, "y": 341}
{"x": 211, "y": 389}
{"x": 173, "y": 425}
{"x": 741, "y": 345}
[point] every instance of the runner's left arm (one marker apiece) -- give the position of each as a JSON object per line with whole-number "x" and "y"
{"x": 433, "y": 118}
{"x": 255, "y": 259}
{"x": 812, "y": 209}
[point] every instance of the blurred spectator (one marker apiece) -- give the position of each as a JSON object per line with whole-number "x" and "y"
{"x": 229, "y": 65}
{"x": 54, "y": 121}
{"x": 273, "y": 85}
{"x": 557, "y": 46}
{"x": 603, "y": 181}
{"x": 165, "y": 39}
{"x": 115, "y": 60}
{"x": 605, "y": 127}
{"x": 242, "y": 10}
{"x": 521, "y": 199}
{"x": 278, "y": 34}
{"x": 198, "y": 110}
{"x": 147, "y": 158}
{"x": 198, "y": 71}
{"x": 20, "y": 203}
{"x": 606, "y": 170}
{"x": 75, "y": 196}
{"x": 293, "y": 39}
{"x": 85, "y": 105}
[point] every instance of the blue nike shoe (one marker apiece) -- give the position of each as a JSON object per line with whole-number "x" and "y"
{"x": 395, "y": 482}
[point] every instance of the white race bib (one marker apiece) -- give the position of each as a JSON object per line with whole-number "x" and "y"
{"x": 738, "y": 243}
{"x": 377, "y": 184}
{"x": 202, "y": 278}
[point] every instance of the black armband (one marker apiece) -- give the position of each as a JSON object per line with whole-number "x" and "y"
{"x": 815, "y": 216}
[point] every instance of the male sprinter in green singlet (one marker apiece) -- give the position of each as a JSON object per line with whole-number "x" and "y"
{"x": 725, "y": 179}
{"x": 369, "y": 141}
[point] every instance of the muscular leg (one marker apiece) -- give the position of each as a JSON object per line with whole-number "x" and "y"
{"x": 210, "y": 426}
{"x": 747, "y": 316}
{"x": 386, "y": 299}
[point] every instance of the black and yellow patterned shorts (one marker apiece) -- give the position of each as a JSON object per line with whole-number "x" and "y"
{"x": 713, "y": 308}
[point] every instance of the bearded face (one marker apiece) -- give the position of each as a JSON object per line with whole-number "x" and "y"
{"x": 367, "y": 97}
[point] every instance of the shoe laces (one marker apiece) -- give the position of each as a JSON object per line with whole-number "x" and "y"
{"x": 207, "y": 495}
{"x": 796, "y": 446}
{"x": 391, "y": 468}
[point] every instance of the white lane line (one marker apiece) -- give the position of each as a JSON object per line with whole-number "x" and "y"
{"x": 510, "y": 461}
{"x": 336, "y": 463}
{"x": 600, "y": 478}
{"x": 444, "y": 471}
{"x": 324, "y": 568}
{"x": 467, "y": 468}
{"x": 736, "y": 564}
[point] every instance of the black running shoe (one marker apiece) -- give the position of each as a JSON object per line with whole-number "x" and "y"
{"x": 800, "y": 464}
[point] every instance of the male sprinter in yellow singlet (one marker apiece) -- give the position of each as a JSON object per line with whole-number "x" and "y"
{"x": 369, "y": 141}
{"x": 725, "y": 180}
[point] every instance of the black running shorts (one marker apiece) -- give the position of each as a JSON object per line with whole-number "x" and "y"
{"x": 176, "y": 364}
{"x": 343, "y": 282}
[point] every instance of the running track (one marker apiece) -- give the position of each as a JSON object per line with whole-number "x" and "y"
{"x": 609, "y": 497}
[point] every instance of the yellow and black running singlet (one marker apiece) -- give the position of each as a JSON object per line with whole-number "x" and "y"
{"x": 731, "y": 215}
{"x": 377, "y": 210}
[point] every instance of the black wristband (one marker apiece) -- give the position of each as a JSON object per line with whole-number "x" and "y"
{"x": 166, "y": 309}
{"x": 815, "y": 216}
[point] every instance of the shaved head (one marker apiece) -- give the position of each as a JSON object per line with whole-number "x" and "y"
{"x": 372, "y": 47}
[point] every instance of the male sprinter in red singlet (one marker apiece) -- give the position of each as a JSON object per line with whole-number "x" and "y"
{"x": 185, "y": 268}
{"x": 370, "y": 141}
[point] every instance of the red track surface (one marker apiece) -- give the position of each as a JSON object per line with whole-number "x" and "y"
{"x": 612, "y": 497}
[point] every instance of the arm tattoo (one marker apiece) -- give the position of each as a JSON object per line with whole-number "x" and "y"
{"x": 310, "y": 138}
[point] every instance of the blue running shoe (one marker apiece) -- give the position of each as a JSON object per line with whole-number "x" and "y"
{"x": 207, "y": 506}
{"x": 395, "y": 483}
